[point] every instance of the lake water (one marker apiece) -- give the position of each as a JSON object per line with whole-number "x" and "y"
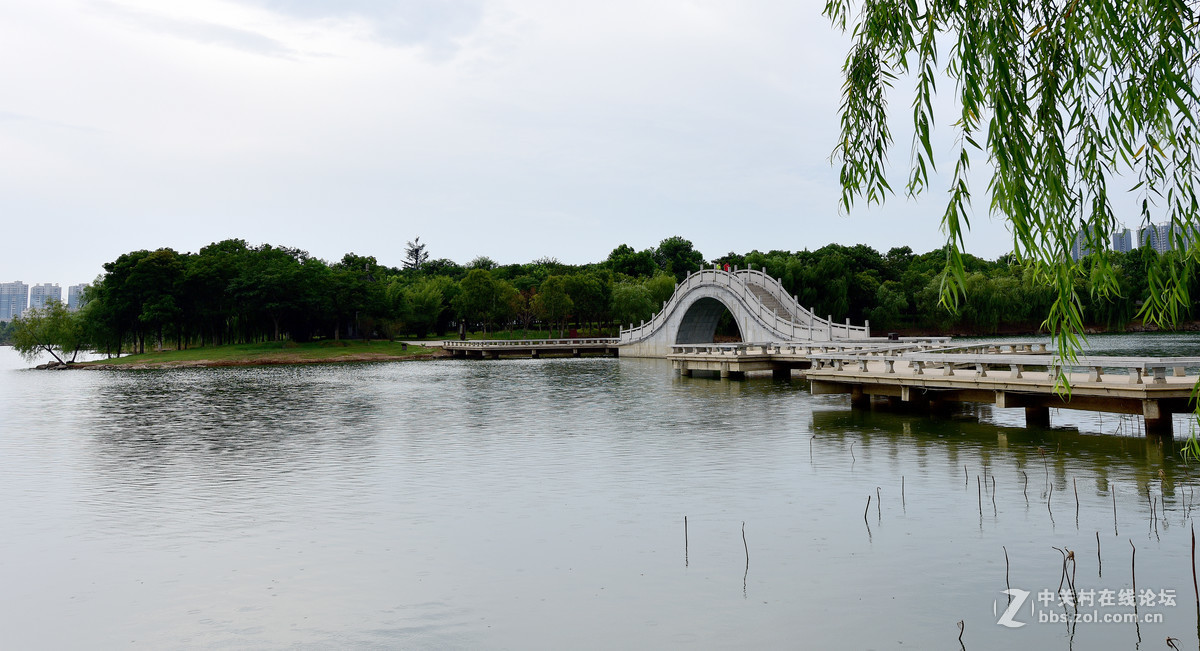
{"x": 540, "y": 504}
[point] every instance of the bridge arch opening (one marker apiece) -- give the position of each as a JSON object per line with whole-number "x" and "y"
{"x": 706, "y": 321}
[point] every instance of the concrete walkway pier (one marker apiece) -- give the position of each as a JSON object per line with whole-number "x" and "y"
{"x": 1152, "y": 387}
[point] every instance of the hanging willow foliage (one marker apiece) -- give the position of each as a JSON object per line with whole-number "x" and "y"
{"x": 1062, "y": 99}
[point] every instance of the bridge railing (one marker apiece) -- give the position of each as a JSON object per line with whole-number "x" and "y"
{"x": 804, "y": 316}
{"x": 802, "y": 325}
{"x": 704, "y": 276}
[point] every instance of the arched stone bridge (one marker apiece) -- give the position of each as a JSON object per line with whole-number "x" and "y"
{"x": 761, "y": 308}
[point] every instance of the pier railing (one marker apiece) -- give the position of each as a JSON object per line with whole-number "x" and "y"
{"x": 1014, "y": 358}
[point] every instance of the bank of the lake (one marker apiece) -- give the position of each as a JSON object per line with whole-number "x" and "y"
{"x": 271, "y": 353}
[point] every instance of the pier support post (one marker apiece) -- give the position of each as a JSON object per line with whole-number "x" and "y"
{"x": 1158, "y": 420}
{"x": 1037, "y": 417}
{"x": 859, "y": 398}
{"x": 781, "y": 373}
{"x": 725, "y": 370}
{"x": 574, "y": 352}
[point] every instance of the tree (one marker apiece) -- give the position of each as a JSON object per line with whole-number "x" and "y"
{"x": 415, "y": 254}
{"x": 504, "y": 304}
{"x": 552, "y": 302}
{"x": 661, "y": 287}
{"x": 523, "y": 306}
{"x": 154, "y": 282}
{"x": 1062, "y": 98}
{"x": 589, "y": 299}
{"x": 357, "y": 294}
{"x": 52, "y": 329}
{"x": 677, "y": 256}
{"x": 424, "y": 301}
{"x": 482, "y": 262}
{"x": 476, "y": 298}
{"x": 631, "y": 303}
{"x": 635, "y": 264}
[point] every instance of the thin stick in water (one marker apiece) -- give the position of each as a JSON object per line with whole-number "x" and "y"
{"x": 747, "y": 547}
{"x": 1113, "y": 489}
{"x": 979, "y": 489}
{"x": 1133, "y": 572}
{"x": 1063, "y": 577}
{"x": 685, "y": 542}
{"x": 865, "y": 511}
{"x": 747, "y": 573}
{"x": 852, "y": 459}
{"x": 878, "y": 501}
{"x": 1048, "y": 498}
{"x": 902, "y": 502}
{"x": 1075, "y": 483}
{"x": 1099, "y": 561}
{"x": 1006, "y": 583}
{"x": 993, "y": 495}
{"x": 1195, "y": 588}
{"x": 1025, "y": 488}
{"x": 962, "y": 626}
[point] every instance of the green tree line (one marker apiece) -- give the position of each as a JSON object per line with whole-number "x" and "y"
{"x": 231, "y": 292}
{"x": 6, "y": 333}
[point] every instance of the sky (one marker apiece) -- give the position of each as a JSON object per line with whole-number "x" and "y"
{"x": 512, "y": 129}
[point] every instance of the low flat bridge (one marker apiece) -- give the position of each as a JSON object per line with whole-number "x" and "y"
{"x": 495, "y": 348}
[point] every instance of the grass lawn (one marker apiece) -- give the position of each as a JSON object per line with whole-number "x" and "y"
{"x": 275, "y": 353}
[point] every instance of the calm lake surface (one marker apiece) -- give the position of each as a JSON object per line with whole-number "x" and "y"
{"x": 521, "y": 504}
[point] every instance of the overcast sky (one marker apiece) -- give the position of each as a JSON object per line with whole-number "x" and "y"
{"x": 514, "y": 129}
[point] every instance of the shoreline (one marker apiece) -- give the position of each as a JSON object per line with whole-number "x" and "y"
{"x": 267, "y": 354}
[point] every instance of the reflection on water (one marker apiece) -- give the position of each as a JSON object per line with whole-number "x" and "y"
{"x": 540, "y": 503}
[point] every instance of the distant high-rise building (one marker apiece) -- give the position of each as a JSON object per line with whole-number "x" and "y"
{"x": 75, "y": 297}
{"x": 39, "y": 294}
{"x": 1122, "y": 241}
{"x": 1079, "y": 247}
{"x": 1160, "y": 237}
{"x": 14, "y": 298}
